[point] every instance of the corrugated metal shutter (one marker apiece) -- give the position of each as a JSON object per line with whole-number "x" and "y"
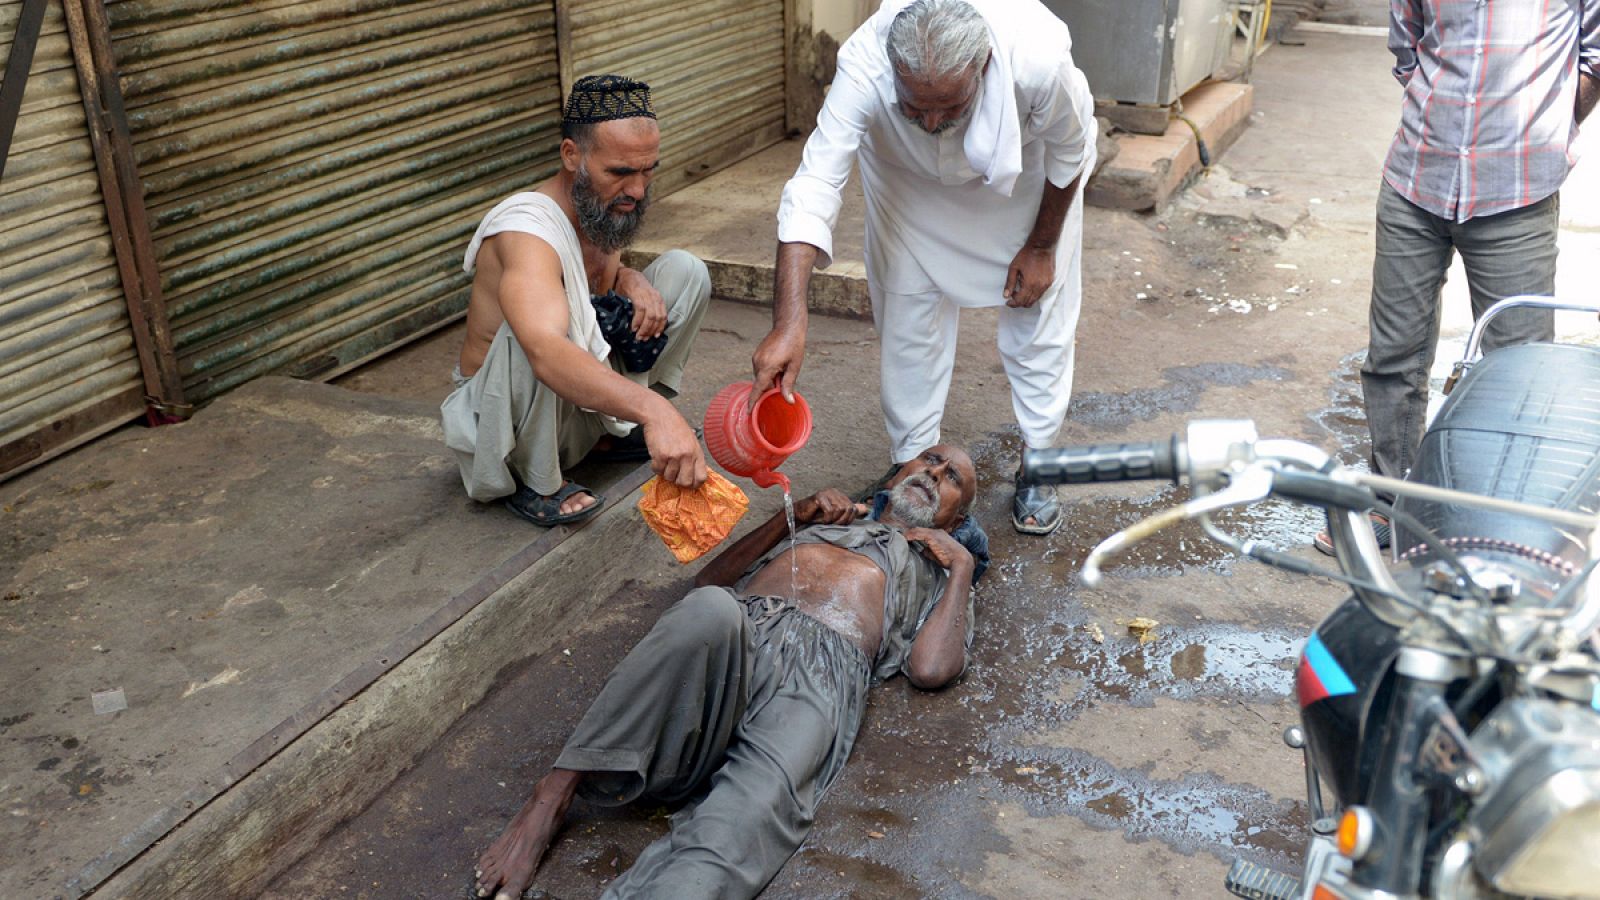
{"x": 68, "y": 366}
{"x": 313, "y": 170}
{"x": 715, "y": 68}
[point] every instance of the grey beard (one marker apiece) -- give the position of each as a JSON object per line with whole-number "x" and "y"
{"x": 605, "y": 229}
{"x": 911, "y": 508}
{"x": 949, "y": 124}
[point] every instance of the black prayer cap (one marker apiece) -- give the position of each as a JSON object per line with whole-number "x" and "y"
{"x": 602, "y": 98}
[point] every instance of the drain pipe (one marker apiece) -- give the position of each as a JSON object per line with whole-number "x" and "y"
{"x": 1199, "y": 140}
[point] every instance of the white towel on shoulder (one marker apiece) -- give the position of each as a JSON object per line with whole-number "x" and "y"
{"x": 994, "y": 136}
{"x": 540, "y": 215}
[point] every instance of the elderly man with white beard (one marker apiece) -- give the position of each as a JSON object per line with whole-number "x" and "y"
{"x": 540, "y": 383}
{"x": 745, "y": 699}
{"x": 973, "y": 131}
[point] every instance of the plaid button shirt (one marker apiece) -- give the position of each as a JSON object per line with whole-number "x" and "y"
{"x": 1488, "y": 119}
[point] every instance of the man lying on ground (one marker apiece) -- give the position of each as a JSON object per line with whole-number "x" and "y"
{"x": 746, "y": 703}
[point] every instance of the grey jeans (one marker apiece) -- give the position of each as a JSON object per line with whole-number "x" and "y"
{"x": 1504, "y": 255}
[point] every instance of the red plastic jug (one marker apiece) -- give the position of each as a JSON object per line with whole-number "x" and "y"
{"x": 752, "y": 445}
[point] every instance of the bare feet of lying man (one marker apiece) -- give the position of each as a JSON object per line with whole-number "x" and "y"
{"x": 506, "y": 869}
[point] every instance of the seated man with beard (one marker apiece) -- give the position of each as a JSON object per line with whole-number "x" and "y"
{"x": 746, "y": 696}
{"x": 538, "y": 386}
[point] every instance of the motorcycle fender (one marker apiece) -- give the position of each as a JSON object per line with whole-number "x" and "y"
{"x": 1340, "y": 686}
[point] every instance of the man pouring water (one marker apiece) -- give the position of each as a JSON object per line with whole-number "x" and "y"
{"x": 973, "y": 131}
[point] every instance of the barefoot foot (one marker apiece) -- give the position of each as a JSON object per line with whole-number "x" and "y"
{"x": 506, "y": 869}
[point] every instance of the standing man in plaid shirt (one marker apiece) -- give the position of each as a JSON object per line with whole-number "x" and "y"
{"x": 1494, "y": 92}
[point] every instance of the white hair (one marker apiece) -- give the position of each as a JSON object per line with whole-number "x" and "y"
{"x": 932, "y": 39}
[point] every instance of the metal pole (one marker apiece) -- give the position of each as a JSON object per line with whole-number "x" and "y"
{"x": 89, "y": 33}
{"x": 29, "y": 21}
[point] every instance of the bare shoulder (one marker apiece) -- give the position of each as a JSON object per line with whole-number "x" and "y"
{"x": 522, "y": 267}
{"x": 517, "y": 252}
{"x": 527, "y": 284}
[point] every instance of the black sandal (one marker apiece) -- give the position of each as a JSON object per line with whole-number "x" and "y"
{"x": 546, "y": 510}
{"x": 1040, "y": 502}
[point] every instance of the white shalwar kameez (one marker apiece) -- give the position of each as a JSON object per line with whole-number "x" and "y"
{"x": 946, "y": 214}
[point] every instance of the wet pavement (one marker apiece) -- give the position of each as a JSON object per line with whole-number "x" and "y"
{"x": 1065, "y": 722}
{"x": 1067, "y": 734}
{"x": 1073, "y": 760}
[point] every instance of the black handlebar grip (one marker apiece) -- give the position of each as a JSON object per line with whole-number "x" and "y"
{"x": 1102, "y": 462}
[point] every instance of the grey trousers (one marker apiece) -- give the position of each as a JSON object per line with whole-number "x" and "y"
{"x": 747, "y": 708}
{"x": 504, "y": 425}
{"x": 1504, "y": 255}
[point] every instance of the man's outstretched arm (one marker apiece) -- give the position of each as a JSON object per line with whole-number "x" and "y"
{"x": 807, "y": 214}
{"x": 535, "y": 306}
{"x": 826, "y": 507}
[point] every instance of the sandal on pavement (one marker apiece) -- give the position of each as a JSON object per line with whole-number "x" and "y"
{"x": 546, "y": 510}
{"x": 623, "y": 449}
{"x": 1040, "y": 502}
{"x": 1380, "y": 530}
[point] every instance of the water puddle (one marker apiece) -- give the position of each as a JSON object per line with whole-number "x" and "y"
{"x": 1213, "y": 660}
{"x": 1198, "y": 813}
{"x": 1181, "y": 394}
{"x": 1344, "y": 419}
{"x": 1175, "y": 551}
{"x": 1194, "y": 815}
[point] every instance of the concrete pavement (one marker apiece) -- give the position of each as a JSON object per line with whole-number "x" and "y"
{"x": 1064, "y": 765}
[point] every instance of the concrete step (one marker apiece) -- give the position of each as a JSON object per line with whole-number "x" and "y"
{"x": 266, "y": 822}
{"x": 730, "y": 220}
{"x": 292, "y": 597}
{"x": 1148, "y": 170}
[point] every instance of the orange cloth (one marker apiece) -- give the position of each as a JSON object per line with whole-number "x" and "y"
{"x": 692, "y": 522}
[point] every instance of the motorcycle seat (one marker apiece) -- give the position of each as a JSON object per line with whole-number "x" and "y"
{"x": 1524, "y": 424}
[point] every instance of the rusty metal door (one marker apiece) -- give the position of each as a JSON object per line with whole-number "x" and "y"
{"x": 313, "y": 170}
{"x": 69, "y": 367}
{"x": 290, "y": 185}
{"x": 715, "y": 67}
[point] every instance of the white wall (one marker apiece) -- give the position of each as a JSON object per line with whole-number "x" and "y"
{"x": 820, "y": 26}
{"x": 840, "y": 17}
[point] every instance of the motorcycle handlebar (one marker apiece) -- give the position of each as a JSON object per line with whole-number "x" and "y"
{"x": 1316, "y": 489}
{"x": 1103, "y": 462}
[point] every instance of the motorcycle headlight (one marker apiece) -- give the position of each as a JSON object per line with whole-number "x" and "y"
{"x": 1539, "y": 821}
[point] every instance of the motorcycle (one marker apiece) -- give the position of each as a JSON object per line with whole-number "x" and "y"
{"x": 1450, "y": 707}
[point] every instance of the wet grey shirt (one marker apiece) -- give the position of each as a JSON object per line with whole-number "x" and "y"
{"x": 913, "y": 584}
